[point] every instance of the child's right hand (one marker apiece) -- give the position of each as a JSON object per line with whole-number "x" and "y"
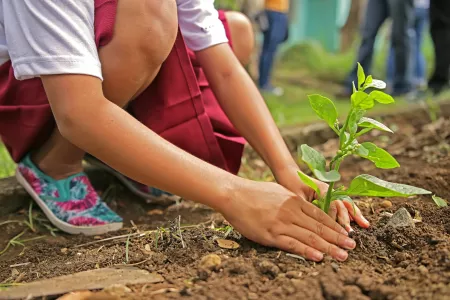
{"x": 269, "y": 214}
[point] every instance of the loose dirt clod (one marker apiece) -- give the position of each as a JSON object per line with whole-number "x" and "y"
{"x": 401, "y": 218}
{"x": 268, "y": 268}
{"x": 211, "y": 262}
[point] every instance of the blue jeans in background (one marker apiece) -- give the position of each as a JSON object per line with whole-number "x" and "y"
{"x": 402, "y": 14}
{"x": 273, "y": 37}
{"x": 418, "y": 59}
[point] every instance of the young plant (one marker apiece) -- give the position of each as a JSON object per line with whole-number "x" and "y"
{"x": 355, "y": 125}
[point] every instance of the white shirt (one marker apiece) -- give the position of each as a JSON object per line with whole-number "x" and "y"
{"x": 43, "y": 37}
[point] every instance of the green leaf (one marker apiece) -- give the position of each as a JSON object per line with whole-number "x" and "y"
{"x": 361, "y": 76}
{"x": 313, "y": 158}
{"x": 361, "y": 151}
{"x": 324, "y": 108}
{"x": 368, "y": 81}
{"x": 353, "y": 121}
{"x": 368, "y": 185}
{"x": 361, "y": 100}
{"x": 309, "y": 182}
{"x": 380, "y": 157}
{"x": 381, "y": 97}
{"x": 371, "y": 123}
{"x": 439, "y": 201}
{"x": 331, "y": 176}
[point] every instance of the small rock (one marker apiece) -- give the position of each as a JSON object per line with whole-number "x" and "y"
{"x": 211, "y": 262}
{"x": 386, "y": 204}
{"x": 252, "y": 296}
{"x": 422, "y": 269}
{"x": 293, "y": 274}
{"x": 117, "y": 289}
{"x": 335, "y": 267}
{"x": 401, "y": 218}
{"x": 147, "y": 248}
{"x": 14, "y": 272}
{"x": 268, "y": 268}
{"x": 64, "y": 250}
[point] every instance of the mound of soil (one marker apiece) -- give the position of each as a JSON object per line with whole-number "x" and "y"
{"x": 388, "y": 263}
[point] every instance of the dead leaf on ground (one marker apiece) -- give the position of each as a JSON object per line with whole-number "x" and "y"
{"x": 227, "y": 244}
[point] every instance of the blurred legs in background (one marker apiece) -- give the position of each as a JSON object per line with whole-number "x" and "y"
{"x": 440, "y": 33}
{"x": 274, "y": 35}
{"x": 402, "y": 14}
{"x": 418, "y": 60}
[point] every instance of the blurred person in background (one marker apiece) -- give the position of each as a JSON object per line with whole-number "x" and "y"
{"x": 440, "y": 33}
{"x": 418, "y": 63}
{"x": 274, "y": 23}
{"x": 377, "y": 11}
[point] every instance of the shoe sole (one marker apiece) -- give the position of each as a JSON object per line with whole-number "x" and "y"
{"x": 64, "y": 226}
{"x": 127, "y": 183}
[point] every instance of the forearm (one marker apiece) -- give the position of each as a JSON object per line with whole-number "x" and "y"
{"x": 244, "y": 105}
{"x": 112, "y": 135}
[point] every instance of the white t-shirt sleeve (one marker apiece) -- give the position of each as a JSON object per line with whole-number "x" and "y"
{"x": 200, "y": 25}
{"x": 48, "y": 37}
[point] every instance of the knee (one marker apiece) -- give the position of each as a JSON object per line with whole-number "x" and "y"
{"x": 144, "y": 34}
{"x": 242, "y": 36}
{"x": 159, "y": 29}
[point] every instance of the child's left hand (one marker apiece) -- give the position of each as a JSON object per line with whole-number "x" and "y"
{"x": 342, "y": 211}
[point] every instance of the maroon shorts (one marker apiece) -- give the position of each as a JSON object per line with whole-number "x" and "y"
{"x": 179, "y": 105}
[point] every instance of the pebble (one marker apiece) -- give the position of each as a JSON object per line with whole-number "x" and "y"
{"x": 211, "y": 262}
{"x": 401, "y": 218}
{"x": 252, "y": 296}
{"x": 335, "y": 267}
{"x": 64, "y": 250}
{"x": 293, "y": 274}
{"x": 386, "y": 204}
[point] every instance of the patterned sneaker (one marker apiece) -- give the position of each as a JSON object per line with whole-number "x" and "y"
{"x": 151, "y": 194}
{"x": 70, "y": 204}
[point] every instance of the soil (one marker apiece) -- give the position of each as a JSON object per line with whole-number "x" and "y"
{"x": 388, "y": 263}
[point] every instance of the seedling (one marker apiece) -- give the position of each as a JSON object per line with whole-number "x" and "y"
{"x": 355, "y": 126}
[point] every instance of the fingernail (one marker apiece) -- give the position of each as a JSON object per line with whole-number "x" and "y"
{"x": 342, "y": 255}
{"x": 365, "y": 221}
{"x": 349, "y": 243}
{"x": 343, "y": 231}
{"x": 317, "y": 256}
{"x": 348, "y": 228}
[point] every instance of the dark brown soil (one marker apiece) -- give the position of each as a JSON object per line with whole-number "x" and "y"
{"x": 407, "y": 263}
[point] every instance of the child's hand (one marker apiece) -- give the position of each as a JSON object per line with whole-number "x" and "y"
{"x": 269, "y": 214}
{"x": 342, "y": 211}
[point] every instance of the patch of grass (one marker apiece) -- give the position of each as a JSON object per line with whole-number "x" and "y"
{"x": 7, "y": 166}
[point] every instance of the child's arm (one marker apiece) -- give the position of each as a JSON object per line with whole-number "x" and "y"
{"x": 264, "y": 212}
{"x": 244, "y": 105}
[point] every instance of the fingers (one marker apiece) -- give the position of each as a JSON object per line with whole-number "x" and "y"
{"x": 316, "y": 242}
{"x": 332, "y": 212}
{"x": 356, "y": 215}
{"x": 343, "y": 217}
{"x": 327, "y": 234}
{"x": 318, "y": 215}
{"x": 294, "y": 246}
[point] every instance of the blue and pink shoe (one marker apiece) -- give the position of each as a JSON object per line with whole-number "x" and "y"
{"x": 150, "y": 194}
{"x": 71, "y": 204}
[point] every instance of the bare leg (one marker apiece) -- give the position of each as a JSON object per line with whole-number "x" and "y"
{"x": 144, "y": 34}
{"x": 242, "y": 36}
